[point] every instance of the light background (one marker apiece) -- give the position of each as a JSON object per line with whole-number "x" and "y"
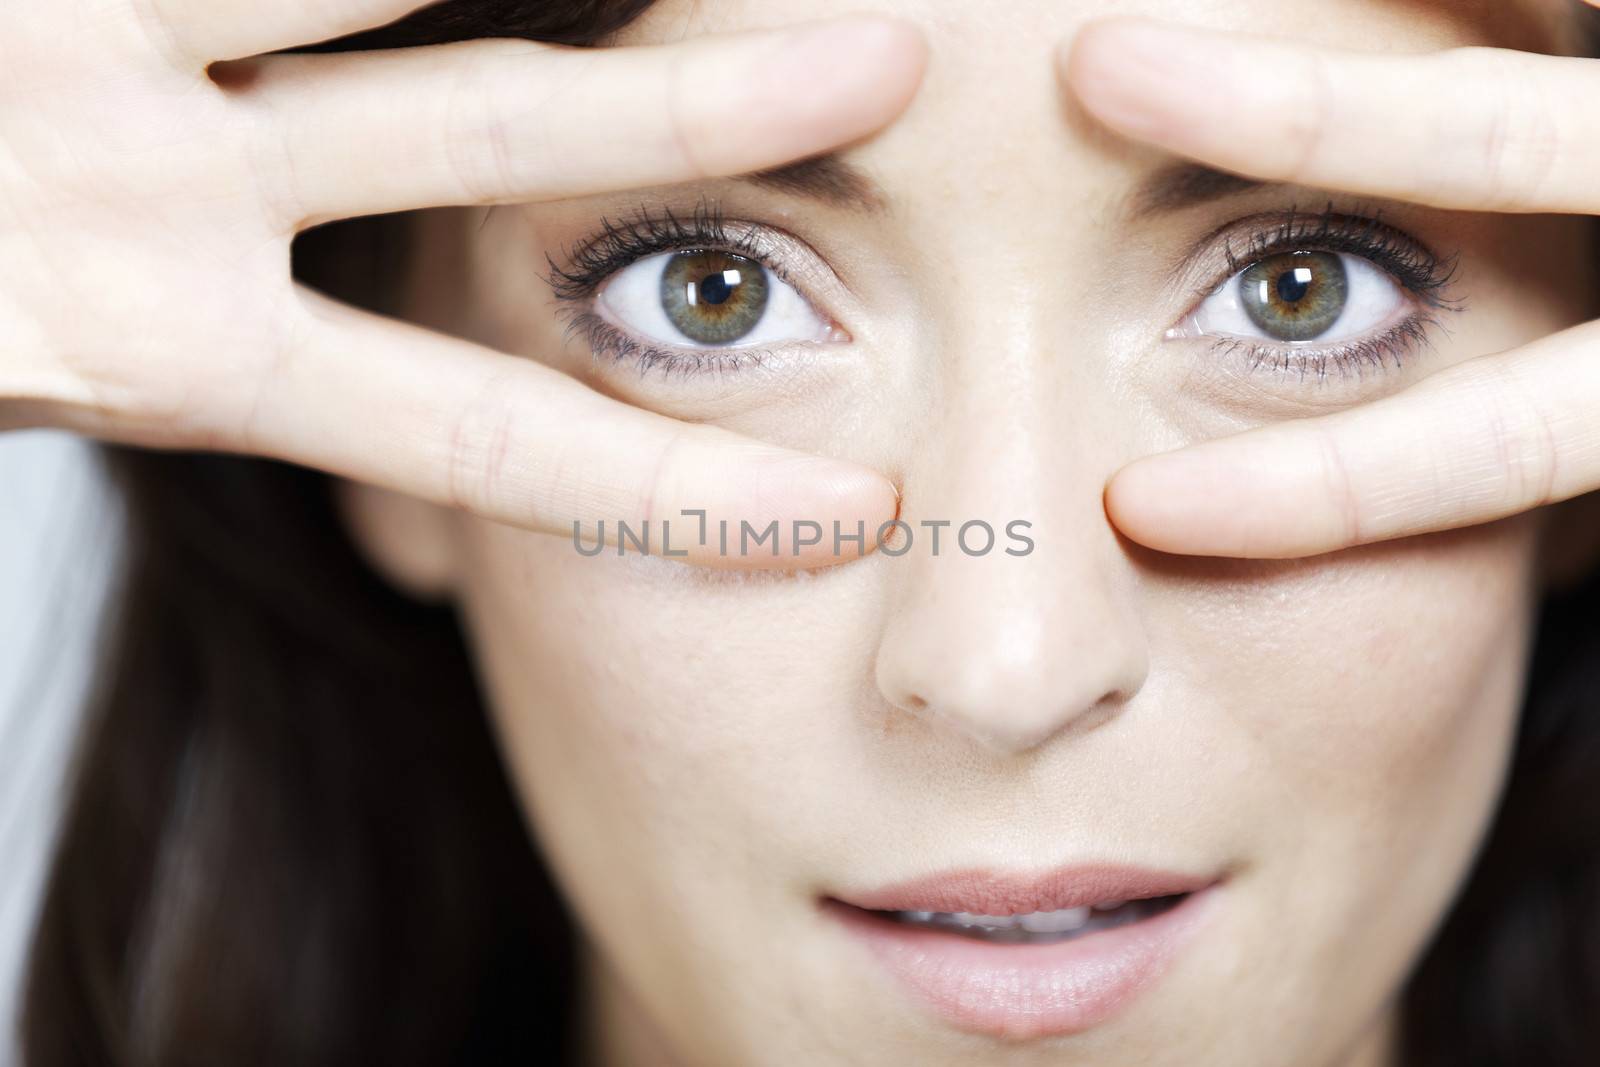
{"x": 60, "y": 544}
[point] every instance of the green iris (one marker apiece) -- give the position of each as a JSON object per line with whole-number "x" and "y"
{"x": 713, "y": 297}
{"x": 1297, "y": 296}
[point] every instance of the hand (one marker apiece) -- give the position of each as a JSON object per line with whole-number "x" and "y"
{"x": 1476, "y": 128}
{"x": 147, "y": 211}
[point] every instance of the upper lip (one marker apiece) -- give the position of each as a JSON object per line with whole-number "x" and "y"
{"x": 983, "y": 892}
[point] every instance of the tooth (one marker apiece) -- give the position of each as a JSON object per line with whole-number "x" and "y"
{"x": 987, "y": 922}
{"x": 1055, "y": 922}
{"x": 1109, "y": 905}
{"x": 919, "y": 916}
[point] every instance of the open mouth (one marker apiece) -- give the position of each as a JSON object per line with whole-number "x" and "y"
{"x": 1039, "y": 927}
{"x": 1023, "y": 956}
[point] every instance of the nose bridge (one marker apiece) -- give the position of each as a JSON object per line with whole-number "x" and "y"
{"x": 1013, "y": 645}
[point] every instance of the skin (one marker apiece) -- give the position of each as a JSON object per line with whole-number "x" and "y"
{"x": 703, "y": 753}
{"x": 156, "y": 168}
{"x": 1506, "y": 433}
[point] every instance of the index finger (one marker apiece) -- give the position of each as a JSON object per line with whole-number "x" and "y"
{"x": 1483, "y": 440}
{"x": 506, "y": 438}
{"x": 499, "y": 121}
{"x": 1467, "y": 128}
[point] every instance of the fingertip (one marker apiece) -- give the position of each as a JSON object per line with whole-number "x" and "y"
{"x": 1133, "y": 504}
{"x": 1099, "y": 47}
{"x": 1173, "y": 502}
{"x": 774, "y": 509}
{"x": 903, "y": 46}
{"x": 826, "y": 490}
{"x": 862, "y": 70}
{"x": 1090, "y": 46}
{"x": 889, "y": 36}
{"x": 1132, "y": 72}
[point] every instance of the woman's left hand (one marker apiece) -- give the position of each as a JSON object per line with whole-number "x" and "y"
{"x": 1478, "y": 129}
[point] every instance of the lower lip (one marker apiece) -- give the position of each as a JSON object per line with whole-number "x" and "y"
{"x": 1020, "y": 991}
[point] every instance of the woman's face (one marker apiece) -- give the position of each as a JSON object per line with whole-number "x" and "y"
{"x": 999, "y": 304}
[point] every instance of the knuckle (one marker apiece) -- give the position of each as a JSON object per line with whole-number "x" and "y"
{"x": 153, "y": 22}
{"x": 1518, "y": 147}
{"x": 682, "y": 127}
{"x": 1344, "y": 499}
{"x": 480, "y": 447}
{"x": 272, "y": 153}
{"x": 278, "y": 356}
{"x": 1307, "y": 125}
{"x": 1523, "y": 438}
{"x": 477, "y": 143}
{"x": 496, "y": 124}
{"x": 663, "y": 485}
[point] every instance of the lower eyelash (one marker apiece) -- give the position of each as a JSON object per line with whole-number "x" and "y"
{"x": 606, "y": 341}
{"x": 1398, "y": 344}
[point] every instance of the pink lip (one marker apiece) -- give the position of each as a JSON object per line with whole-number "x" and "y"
{"x": 1021, "y": 991}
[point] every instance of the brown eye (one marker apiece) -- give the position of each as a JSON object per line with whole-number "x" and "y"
{"x": 1297, "y": 296}
{"x": 715, "y": 298}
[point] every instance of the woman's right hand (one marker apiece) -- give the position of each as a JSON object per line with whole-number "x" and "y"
{"x": 147, "y": 211}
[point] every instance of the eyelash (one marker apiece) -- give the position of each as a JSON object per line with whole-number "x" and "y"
{"x": 618, "y": 244}
{"x": 1420, "y": 271}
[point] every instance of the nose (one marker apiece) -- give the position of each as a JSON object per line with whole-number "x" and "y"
{"x": 1011, "y": 649}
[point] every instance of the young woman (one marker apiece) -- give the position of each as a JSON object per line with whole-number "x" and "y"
{"x": 1279, "y": 749}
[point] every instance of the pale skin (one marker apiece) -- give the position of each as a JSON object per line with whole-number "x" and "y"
{"x": 701, "y": 753}
{"x": 702, "y": 756}
{"x": 1504, "y": 433}
{"x": 146, "y": 214}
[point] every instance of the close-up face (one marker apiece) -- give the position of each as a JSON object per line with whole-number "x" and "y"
{"x": 753, "y": 787}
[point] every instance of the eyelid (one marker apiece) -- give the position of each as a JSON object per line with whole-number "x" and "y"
{"x": 593, "y": 263}
{"x": 1422, "y": 276}
{"x": 1362, "y": 276}
{"x": 785, "y": 316}
{"x": 649, "y": 229}
{"x": 1218, "y": 256}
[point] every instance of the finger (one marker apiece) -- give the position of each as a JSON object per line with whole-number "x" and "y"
{"x": 1469, "y": 128}
{"x": 380, "y": 401}
{"x": 1480, "y": 441}
{"x": 485, "y": 122}
{"x": 195, "y": 33}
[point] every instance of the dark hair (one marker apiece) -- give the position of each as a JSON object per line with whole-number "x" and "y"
{"x": 291, "y": 839}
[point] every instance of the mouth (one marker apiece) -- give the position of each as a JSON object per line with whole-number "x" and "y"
{"x": 1040, "y": 927}
{"x": 1027, "y": 957}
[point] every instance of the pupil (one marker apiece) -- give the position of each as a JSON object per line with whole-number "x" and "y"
{"x": 715, "y": 288}
{"x": 1293, "y": 285}
{"x": 1298, "y": 296}
{"x": 712, "y": 297}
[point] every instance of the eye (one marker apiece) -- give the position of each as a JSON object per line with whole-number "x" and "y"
{"x": 1298, "y": 297}
{"x": 708, "y": 298}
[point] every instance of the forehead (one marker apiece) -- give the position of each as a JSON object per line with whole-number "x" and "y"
{"x": 986, "y": 129}
{"x": 1024, "y": 27}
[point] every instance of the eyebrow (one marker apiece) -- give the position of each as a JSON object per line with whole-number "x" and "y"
{"x": 827, "y": 179}
{"x": 830, "y": 180}
{"x": 1185, "y": 185}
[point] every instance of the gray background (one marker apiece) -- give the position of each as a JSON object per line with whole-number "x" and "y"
{"x": 60, "y": 541}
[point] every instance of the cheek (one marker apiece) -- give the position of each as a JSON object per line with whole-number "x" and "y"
{"x": 666, "y": 717}
{"x": 1369, "y": 673}
{"x": 1364, "y": 705}
{"x": 688, "y": 743}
